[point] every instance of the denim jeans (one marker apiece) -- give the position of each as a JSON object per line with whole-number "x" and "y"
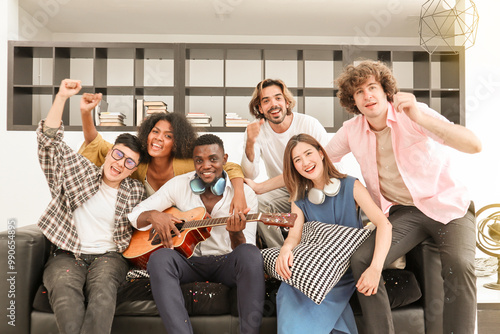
{"x": 82, "y": 292}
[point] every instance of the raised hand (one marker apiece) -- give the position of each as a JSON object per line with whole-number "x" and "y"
{"x": 89, "y": 102}
{"x": 69, "y": 88}
{"x": 253, "y": 130}
{"x": 406, "y": 102}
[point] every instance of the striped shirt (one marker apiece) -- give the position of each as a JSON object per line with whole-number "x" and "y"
{"x": 72, "y": 180}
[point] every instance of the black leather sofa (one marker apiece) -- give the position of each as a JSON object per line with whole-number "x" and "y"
{"x": 24, "y": 305}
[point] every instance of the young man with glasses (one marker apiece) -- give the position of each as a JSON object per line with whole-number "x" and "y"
{"x": 86, "y": 221}
{"x": 228, "y": 256}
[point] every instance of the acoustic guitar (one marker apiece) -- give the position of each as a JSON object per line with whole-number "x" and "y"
{"x": 195, "y": 228}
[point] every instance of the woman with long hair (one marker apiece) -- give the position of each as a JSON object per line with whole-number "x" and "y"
{"x": 319, "y": 192}
{"x": 167, "y": 140}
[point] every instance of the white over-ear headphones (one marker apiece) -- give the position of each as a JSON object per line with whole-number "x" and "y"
{"x": 331, "y": 189}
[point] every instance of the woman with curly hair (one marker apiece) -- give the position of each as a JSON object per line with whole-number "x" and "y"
{"x": 167, "y": 140}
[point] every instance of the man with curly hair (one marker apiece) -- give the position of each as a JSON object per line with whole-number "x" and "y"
{"x": 398, "y": 145}
{"x": 266, "y": 138}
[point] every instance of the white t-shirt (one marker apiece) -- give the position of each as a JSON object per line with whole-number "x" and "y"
{"x": 95, "y": 221}
{"x": 177, "y": 192}
{"x": 270, "y": 146}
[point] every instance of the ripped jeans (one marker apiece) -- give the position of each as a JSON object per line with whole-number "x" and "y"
{"x": 82, "y": 292}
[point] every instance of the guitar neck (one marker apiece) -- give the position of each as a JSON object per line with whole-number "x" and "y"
{"x": 210, "y": 222}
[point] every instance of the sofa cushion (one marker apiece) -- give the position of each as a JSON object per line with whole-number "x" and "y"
{"x": 204, "y": 298}
{"x": 402, "y": 289}
{"x": 321, "y": 258}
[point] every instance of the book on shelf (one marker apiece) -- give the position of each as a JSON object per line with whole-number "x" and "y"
{"x": 155, "y": 103}
{"x": 155, "y": 111}
{"x": 100, "y": 108}
{"x": 111, "y": 118}
{"x": 145, "y": 108}
{"x": 153, "y": 107}
{"x": 235, "y": 120}
{"x": 139, "y": 111}
{"x": 157, "y": 107}
{"x": 199, "y": 119}
{"x": 114, "y": 123}
{"x": 112, "y": 114}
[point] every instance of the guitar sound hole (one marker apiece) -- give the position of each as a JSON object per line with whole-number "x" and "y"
{"x": 179, "y": 227}
{"x": 156, "y": 240}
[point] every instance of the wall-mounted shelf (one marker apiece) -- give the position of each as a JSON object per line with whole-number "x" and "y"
{"x": 214, "y": 78}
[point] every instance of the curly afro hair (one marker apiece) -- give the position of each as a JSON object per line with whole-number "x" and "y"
{"x": 184, "y": 133}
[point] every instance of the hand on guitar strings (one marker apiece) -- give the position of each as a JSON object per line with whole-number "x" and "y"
{"x": 235, "y": 224}
{"x": 164, "y": 224}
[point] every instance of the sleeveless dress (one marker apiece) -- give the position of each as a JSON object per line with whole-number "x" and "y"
{"x": 297, "y": 313}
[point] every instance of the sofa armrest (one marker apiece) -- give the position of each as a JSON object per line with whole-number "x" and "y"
{"x": 24, "y": 252}
{"x": 424, "y": 260}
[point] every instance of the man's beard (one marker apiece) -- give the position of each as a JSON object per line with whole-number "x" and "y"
{"x": 276, "y": 121}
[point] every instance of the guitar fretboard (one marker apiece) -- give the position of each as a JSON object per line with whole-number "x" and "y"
{"x": 216, "y": 221}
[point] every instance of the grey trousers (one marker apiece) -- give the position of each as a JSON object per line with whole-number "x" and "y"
{"x": 457, "y": 248}
{"x": 275, "y": 201}
{"x": 71, "y": 282}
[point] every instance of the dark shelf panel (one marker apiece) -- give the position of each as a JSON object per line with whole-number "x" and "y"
{"x": 437, "y": 79}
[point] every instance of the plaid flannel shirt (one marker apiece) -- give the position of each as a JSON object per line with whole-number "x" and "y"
{"x": 73, "y": 180}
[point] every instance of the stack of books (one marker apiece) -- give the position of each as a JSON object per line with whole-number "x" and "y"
{"x": 235, "y": 120}
{"x": 199, "y": 119}
{"x": 145, "y": 108}
{"x": 111, "y": 118}
{"x": 153, "y": 107}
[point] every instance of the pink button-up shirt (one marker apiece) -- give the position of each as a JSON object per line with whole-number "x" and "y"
{"x": 423, "y": 165}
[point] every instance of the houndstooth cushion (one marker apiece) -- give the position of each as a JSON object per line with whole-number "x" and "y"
{"x": 321, "y": 258}
{"x": 137, "y": 273}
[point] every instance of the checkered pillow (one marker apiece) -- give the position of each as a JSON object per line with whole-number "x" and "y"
{"x": 321, "y": 258}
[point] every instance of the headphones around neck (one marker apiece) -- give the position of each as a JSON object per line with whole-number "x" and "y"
{"x": 217, "y": 188}
{"x": 331, "y": 189}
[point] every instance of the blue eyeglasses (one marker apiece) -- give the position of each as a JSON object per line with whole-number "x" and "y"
{"x": 118, "y": 155}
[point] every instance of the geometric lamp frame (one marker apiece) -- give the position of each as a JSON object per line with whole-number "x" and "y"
{"x": 448, "y": 24}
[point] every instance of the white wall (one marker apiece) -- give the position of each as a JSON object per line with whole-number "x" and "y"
{"x": 483, "y": 110}
{"x": 24, "y": 193}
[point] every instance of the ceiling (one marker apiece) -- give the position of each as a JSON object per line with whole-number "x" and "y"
{"x": 381, "y": 18}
